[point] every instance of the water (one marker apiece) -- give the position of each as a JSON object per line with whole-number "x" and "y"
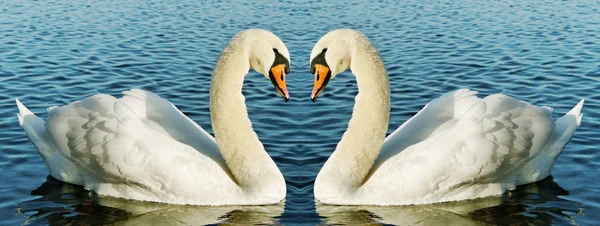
{"x": 52, "y": 53}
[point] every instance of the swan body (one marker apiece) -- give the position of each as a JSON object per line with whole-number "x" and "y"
{"x": 142, "y": 147}
{"x": 459, "y": 146}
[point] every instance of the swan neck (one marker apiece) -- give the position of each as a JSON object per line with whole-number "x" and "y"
{"x": 244, "y": 154}
{"x": 351, "y": 162}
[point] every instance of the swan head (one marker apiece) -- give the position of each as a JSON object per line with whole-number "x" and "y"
{"x": 331, "y": 56}
{"x": 270, "y": 57}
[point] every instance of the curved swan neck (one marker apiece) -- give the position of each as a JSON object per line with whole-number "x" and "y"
{"x": 246, "y": 158}
{"x": 353, "y": 158}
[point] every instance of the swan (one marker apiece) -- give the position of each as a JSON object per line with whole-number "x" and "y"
{"x": 457, "y": 147}
{"x": 142, "y": 147}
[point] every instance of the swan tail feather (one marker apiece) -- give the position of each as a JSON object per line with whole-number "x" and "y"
{"x": 58, "y": 165}
{"x": 563, "y": 130}
{"x": 576, "y": 111}
{"x": 23, "y": 111}
{"x": 34, "y": 127}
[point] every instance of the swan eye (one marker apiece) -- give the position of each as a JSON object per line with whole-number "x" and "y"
{"x": 275, "y": 50}
{"x": 324, "y": 50}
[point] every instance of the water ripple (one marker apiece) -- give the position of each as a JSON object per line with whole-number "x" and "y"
{"x": 55, "y": 52}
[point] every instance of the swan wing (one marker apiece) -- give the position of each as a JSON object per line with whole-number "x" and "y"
{"x": 162, "y": 116}
{"x": 124, "y": 153}
{"x": 438, "y": 115}
{"x": 487, "y": 145}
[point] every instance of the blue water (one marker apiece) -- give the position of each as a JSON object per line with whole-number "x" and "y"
{"x": 55, "y": 52}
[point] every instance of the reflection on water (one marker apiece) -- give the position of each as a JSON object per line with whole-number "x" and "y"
{"x": 61, "y": 204}
{"x": 56, "y": 52}
{"x": 537, "y": 204}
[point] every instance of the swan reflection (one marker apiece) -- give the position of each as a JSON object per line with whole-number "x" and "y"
{"x": 527, "y": 204}
{"x": 61, "y": 203}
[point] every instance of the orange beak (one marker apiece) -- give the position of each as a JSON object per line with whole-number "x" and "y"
{"x": 277, "y": 76}
{"x": 322, "y": 76}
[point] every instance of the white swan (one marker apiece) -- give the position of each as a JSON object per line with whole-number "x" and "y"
{"x": 142, "y": 147}
{"x": 457, "y": 147}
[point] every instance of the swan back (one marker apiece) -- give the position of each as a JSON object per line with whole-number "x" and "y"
{"x": 495, "y": 145}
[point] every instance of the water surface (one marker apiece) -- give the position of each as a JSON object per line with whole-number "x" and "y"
{"x": 55, "y": 52}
